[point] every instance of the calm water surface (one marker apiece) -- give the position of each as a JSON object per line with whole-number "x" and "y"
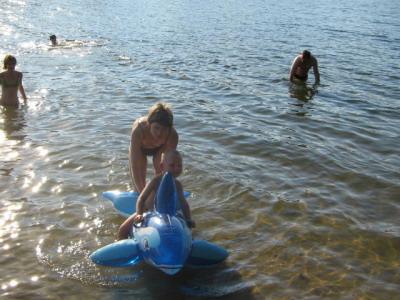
{"x": 300, "y": 184}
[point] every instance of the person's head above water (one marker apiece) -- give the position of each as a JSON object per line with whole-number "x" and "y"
{"x": 306, "y": 55}
{"x": 171, "y": 161}
{"x": 160, "y": 113}
{"x": 53, "y": 39}
{"x": 9, "y": 62}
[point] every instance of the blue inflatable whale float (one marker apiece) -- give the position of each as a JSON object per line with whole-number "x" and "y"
{"x": 163, "y": 239}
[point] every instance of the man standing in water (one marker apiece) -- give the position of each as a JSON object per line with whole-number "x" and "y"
{"x": 301, "y": 65}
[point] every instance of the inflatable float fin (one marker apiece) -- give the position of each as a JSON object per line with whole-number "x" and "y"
{"x": 123, "y": 253}
{"x": 125, "y": 202}
{"x": 167, "y": 198}
{"x": 205, "y": 254}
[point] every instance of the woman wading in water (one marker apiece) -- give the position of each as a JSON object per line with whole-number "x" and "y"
{"x": 11, "y": 82}
{"x": 151, "y": 136}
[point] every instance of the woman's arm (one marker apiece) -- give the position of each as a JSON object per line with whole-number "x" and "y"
{"x": 21, "y": 89}
{"x": 137, "y": 160}
{"x": 173, "y": 139}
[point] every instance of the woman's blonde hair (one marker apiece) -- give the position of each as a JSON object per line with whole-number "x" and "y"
{"x": 160, "y": 113}
{"x": 9, "y": 60}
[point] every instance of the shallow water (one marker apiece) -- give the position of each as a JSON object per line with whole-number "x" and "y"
{"x": 300, "y": 184}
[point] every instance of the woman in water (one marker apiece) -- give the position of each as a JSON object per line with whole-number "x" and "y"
{"x": 11, "y": 82}
{"x": 151, "y": 136}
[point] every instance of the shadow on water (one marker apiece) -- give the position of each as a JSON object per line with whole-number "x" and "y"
{"x": 302, "y": 91}
{"x": 219, "y": 282}
{"x": 146, "y": 282}
{"x": 13, "y": 122}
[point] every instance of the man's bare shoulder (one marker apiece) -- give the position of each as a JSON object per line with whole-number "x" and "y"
{"x": 297, "y": 60}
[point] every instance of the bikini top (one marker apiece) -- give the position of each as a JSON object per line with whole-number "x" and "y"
{"x": 153, "y": 151}
{"x": 6, "y": 84}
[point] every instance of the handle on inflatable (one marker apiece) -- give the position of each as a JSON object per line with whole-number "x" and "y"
{"x": 137, "y": 225}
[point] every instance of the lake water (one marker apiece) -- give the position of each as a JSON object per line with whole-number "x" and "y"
{"x": 300, "y": 184}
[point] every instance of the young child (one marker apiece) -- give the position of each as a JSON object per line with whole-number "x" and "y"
{"x": 11, "y": 83}
{"x": 171, "y": 161}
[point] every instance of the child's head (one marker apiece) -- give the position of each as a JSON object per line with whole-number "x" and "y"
{"x": 171, "y": 161}
{"x": 306, "y": 55}
{"x": 9, "y": 62}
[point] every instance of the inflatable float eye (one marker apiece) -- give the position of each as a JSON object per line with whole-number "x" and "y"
{"x": 148, "y": 238}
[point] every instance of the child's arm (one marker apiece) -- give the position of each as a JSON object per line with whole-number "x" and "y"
{"x": 136, "y": 161}
{"x": 124, "y": 229}
{"x": 184, "y": 204}
{"x": 144, "y": 196}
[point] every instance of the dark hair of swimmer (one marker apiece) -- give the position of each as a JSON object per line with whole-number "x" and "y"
{"x": 9, "y": 60}
{"x": 306, "y": 54}
{"x": 53, "y": 37}
{"x": 160, "y": 113}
